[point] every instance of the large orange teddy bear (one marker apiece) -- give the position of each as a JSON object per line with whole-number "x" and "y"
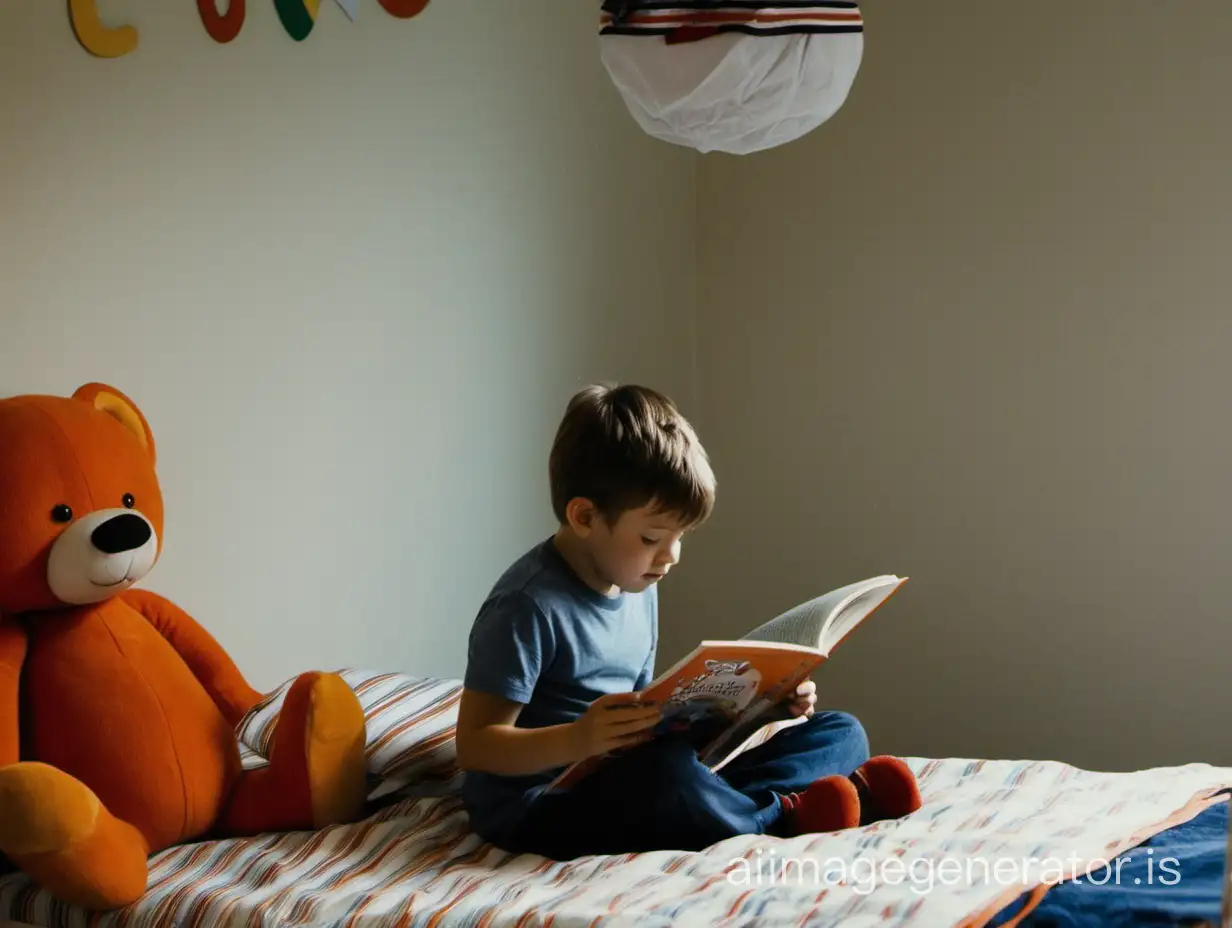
{"x": 117, "y": 710}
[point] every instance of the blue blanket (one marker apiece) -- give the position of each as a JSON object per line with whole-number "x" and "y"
{"x": 1175, "y": 878}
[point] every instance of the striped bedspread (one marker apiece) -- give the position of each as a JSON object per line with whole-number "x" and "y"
{"x": 988, "y": 831}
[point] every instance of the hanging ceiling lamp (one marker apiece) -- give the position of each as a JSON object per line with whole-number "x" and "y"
{"x": 737, "y": 76}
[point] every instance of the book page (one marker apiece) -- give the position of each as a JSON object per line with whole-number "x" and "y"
{"x": 857, "y": 609}
{"x": 801, "y": 625}
{"x": 824, "y": 621}
{"x": 743, "y": 733}
{"x": 771, "y": 726}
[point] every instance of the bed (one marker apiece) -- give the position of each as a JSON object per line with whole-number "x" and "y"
{"x": 996, "y": 843}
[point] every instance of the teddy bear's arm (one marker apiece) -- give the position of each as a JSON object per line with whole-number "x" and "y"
{"x": 205, "y": 657}
{"x": 12, "y": 656}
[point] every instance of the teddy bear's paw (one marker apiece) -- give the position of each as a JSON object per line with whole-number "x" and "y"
{"x": 336, "y": 738}
{"x": 56, "y": 830}
{"x": 43, "y": 809}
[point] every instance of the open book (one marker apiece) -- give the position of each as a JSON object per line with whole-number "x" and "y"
{"x": 729, "y": 696}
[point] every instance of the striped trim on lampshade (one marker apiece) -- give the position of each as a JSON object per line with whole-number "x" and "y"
{"x": 752, "y": 17}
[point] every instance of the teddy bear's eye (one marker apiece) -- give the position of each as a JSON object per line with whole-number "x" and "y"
{"x": 129, "y": 502}
{"x": 61, "y": 513}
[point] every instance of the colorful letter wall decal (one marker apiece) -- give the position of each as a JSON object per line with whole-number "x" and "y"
{"x": 404, "y": 9}
{"x": 97, "y": 38}
{"x": 222, "y": 27}
{"x": 297, "y": 17}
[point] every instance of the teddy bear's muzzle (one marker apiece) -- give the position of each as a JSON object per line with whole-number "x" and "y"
{"x": 100, "y": 555}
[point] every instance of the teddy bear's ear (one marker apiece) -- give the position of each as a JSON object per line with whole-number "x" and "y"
{"x": 119, "y": 407}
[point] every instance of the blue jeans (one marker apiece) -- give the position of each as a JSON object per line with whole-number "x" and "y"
{"x": 659, "y": 796}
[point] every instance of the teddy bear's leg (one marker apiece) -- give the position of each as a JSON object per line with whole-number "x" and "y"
{"x": 57, "y": 831}
{"x": 316, "y": 774}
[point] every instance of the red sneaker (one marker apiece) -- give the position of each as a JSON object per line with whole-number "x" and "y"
{"x": 887, "y": 789}
{"x": 829, "y": 804}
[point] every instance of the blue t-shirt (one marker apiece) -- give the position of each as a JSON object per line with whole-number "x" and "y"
{"x": 545, "y": 639}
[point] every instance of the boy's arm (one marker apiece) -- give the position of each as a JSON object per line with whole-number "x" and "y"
{"x": 511, "y": 642}
{"x": 488, "y": 740}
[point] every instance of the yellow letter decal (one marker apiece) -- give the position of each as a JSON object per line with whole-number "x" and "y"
{"x": 97, "y": 38}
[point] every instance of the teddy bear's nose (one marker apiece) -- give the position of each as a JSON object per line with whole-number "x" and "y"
{"x": 122, "y": 533}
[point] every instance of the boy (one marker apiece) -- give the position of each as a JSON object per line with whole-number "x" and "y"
{"x": 567, "y": 637}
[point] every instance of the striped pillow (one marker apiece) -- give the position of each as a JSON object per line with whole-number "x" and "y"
{"x": 411, "y": 724}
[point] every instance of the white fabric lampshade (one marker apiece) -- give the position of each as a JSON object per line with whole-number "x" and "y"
{"x": 733, "y": 92}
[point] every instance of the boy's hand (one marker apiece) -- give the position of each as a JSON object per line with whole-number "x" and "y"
{"x": 805, "y": 700}
{"x": 614, "y": 721}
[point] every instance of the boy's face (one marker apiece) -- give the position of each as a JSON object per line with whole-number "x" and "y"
{"x": 638, "y": 550}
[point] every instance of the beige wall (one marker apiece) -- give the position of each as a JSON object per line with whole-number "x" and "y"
{"x": 976, "y": 330}
{"x": 351, "y": 282}
{"x": 972, "y": 330}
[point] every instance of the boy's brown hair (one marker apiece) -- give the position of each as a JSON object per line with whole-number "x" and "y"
{"x": 623, "y": 447}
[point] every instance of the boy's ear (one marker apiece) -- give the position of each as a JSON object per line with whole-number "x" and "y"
{"x": 581, "y": 515}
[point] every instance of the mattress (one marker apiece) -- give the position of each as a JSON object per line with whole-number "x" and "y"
{"x": 992, "y": 836}
{"x": 415, "y": 862}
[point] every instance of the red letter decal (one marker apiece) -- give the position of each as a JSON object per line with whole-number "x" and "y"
{"x": 222, "y": 28}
